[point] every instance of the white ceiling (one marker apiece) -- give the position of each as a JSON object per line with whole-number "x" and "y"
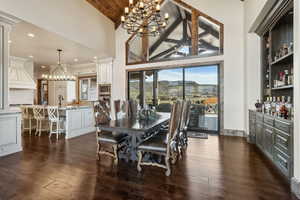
{"x": 43, "y": 46}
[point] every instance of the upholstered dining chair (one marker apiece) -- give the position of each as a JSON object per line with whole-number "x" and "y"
{"x": 104, "y": 138}
{"x": 183, "y": 136}
{"x": 161, "y": 144}
{"x": 39, "y": 114}
{"x": 57, "y": 122}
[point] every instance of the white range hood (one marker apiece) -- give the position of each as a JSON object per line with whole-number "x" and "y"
{"x": 18, "y": 77}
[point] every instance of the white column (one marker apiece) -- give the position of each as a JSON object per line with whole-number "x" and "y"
{"x": 296, "y": 178}
{"x": 6, "y": 23}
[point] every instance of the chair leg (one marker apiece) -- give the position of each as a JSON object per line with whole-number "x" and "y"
{"x": 115, "y": 149}
{"x": 98, "y": 150}
{"x": 140, "y": 157}
{"x": 40, "y": 128}
{"x": 29, "y": 126}
{"x": 57, "y": 130}
{"x": 168, "y": 172}
{"x": 50, "y": 124}
{"x": 37, "y": 127}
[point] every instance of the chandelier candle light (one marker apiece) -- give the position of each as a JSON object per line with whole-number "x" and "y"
{"x": 144, "y": 18}
{"x": 59, "y": 73}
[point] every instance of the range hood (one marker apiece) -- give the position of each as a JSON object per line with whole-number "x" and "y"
{"x": 18, "y": 77}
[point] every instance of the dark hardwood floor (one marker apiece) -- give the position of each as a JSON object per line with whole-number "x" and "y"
{"x": 217, "y": 168}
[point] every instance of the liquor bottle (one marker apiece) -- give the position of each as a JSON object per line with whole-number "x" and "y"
{"x": 273, "y": 106}
{"x": 277, "y": 107}
{"x": 289, "y": 107}
{"x": 286, "y": 77}
{"x": 268, "y": 106}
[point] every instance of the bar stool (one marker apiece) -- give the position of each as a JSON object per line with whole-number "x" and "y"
{"x": 57, "y": 125}
{"x": 41, "y": 120}
{"x": 26, "y": 119}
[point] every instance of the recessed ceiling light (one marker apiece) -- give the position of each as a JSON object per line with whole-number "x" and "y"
{"x": 9, "y": 41}
{"x": 95, "y": 57}
{"x": 30, "y": 56}
{"x": 43, "y": 66}
{"x": 75, "y": 60}
{"x": 30, "y": 35}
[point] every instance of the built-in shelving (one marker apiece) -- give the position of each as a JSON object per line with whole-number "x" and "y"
{"x": 283, "y": 59}
{"x": 284, "y": 87}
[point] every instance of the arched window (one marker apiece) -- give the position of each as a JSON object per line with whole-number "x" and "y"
{"x": 190, "y": 33}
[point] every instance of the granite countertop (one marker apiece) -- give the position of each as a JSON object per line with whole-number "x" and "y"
{"x": 74, "y": 107}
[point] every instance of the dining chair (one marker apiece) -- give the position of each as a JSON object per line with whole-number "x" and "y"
{"x": 39, "y": 114}
{"x": 57, "y": 122}
{"x": 183, "y": 135}
{"x": 161, "y": 144}
{"x": 27, "y": 117}
{"x": 104, "y": 138}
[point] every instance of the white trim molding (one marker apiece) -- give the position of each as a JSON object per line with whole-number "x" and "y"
{"x": 295, "y": 186}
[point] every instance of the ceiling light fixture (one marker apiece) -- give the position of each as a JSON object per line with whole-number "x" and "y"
{"x": 30, "y": 56}
{"x": 59, "y": 73}
{"x": 144, "y": 18}
{"x": 95, "y": 57}
{"x": 9, "y": 41}
{"x": 43, "y": 66}
{"x": 30, "y": 35}
{"x": 75, "y": 60}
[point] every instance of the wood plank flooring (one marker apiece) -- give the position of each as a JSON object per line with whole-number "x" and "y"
{"x": 214, "y": 169}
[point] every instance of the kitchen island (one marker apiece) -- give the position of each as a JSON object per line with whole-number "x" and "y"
{"x": 79, "y": 120}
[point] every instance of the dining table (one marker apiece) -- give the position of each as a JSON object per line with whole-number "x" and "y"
{"x": 137, "y": 129}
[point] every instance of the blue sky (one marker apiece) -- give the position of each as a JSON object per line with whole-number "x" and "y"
{"x": 201, "y": 75}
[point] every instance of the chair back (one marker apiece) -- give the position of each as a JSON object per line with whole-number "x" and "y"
{"x": 25, "y": 112}
{"x": 174, "y": 121}
{"x": 53, "y": 113}
{"x": 101, "y": 112}
{"x": 121, "y": 109}
{"x": 133, "y": 108}
{"x": 185, "y": 115}
{"x": 39, "y": 112}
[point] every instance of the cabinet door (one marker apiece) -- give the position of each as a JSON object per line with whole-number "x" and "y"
{"x": 259, "y": 135}
{"x": 88, "y": 119}
{"x": 268, "y": 140}
{"x": 8, "y": 131}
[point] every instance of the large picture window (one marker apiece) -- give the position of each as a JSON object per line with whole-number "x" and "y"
{"x": 159, "y": 88}
{"x": 189, "y": 33}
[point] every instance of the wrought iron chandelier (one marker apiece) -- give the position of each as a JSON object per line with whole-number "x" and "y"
{"x": 144, "y": 18}
{"x": 59, "y": 73}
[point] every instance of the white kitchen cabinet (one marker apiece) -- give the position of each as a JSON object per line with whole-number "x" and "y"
{"x": 10, "y": 133}
{"x": 79, "y": 121}
{"x": 104, "y": 71}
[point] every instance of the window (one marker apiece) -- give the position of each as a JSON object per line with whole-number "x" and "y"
{"x": 189, "y": 33}
{"x": 160, "y": 88}
{"x": 88, "y": 89}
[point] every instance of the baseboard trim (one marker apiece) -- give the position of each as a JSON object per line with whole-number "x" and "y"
{"x": 295, "y": 186}
{"x": 232, "y": 132}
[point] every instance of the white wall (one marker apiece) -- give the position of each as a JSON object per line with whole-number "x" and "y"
{"x": 252, "y": 64}
{"x": 221, "y": 10}
{"x": 76, "y": 20}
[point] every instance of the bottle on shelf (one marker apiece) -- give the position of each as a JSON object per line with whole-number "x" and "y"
{"x": 273, "y": 106}
{"x": 277, "y": 107}
{"x": 289, "y": 107}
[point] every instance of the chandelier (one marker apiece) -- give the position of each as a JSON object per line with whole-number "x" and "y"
{"x": 144, "y": 18}
{"x": 59, "y": 73}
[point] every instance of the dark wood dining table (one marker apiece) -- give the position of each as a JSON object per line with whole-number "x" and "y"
{"x": 137, "y": 129}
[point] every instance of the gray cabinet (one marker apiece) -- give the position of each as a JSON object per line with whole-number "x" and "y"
{"x": 274, "y": 137}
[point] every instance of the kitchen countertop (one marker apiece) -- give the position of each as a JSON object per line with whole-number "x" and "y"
{"x": 12, "y": 110}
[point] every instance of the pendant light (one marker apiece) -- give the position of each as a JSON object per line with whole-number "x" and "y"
{"x": 59, "y": 73}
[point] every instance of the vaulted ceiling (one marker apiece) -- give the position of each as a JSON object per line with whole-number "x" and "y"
{"x": 113, "y": 9}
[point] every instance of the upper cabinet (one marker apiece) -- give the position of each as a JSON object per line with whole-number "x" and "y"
{"x": 104, "y": 71}
{"x": 189, "y": 33}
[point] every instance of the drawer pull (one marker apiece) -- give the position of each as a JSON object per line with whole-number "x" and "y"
{"x": 282, "y": 138}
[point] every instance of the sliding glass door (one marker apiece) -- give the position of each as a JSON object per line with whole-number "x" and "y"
{"x": 169, "y": 88}
{"x": 160, "y": 88}
{"x": 201, "y": 88}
